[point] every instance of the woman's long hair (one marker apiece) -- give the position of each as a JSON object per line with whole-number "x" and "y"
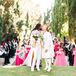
{"x": 37, "y": 27}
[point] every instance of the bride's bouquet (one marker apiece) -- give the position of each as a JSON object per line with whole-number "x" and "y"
{"x": 35, "y": 37}
{"x": 38, "y": 36}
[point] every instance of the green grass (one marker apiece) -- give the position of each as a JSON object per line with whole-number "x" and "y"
{"x": 25, "y": 71}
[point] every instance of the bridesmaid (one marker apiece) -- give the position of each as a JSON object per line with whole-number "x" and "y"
{"x": 60, "y": 58}
{"x": 74, "y": 53}
{"x": 56, "y": 46}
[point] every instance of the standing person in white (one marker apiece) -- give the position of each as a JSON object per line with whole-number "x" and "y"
{"x": 48, "y": 48}
{"x": 36, "y": 47}
{"x": 34, "y": 55}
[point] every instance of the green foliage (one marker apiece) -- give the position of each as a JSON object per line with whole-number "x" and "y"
{"x": 59, "y": 16}
{"x": 1, "y": 2}
{"x": 19, "y": 25}
{"x": 72, "y": 19}
{"x": 1, "y": 28}
{"x": 64, "y": 10}
{"x": 16, "y": 9}
{"x": 9, "y": 36}
{"x": 6, "y": 20}
{"x": 27, "y": 20}
{"x": 27, "y": 23}
{"x": 7, "y": 17}
{"x": 47, "y": 16}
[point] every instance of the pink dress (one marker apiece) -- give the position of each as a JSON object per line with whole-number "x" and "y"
{"x": 74, "y": 53}
{"x": 18, "y": 59}
{"x": 60, "y": 58}
{"x": 56, "y": 48}
{"x": 27, "y": 51}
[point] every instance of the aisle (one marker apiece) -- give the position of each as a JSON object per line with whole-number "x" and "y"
{"x": 13, "y": 70}
{"x": 25, "y": 71}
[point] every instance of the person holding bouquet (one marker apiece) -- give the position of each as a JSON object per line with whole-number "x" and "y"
{"x": 34, "y": 56}
{"x": 35, "y": 42}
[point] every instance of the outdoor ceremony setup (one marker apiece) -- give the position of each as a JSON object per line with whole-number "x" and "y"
{"x": 37, "y": 37}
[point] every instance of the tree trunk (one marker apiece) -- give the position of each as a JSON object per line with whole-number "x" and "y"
{"x": 72, "y": 20}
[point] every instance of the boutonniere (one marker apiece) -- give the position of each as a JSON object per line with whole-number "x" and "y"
{"x": 41, "y": 37}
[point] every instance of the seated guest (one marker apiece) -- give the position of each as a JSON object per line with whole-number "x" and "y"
{"x": 3, "y": 53}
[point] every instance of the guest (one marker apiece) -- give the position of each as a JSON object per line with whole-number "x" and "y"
{"x": 60, "y": 58}
{"x": 66, "y": 46}
{"x": 70, "y": 54}
{"x": 6, "y": 47}
{"x": 56, "y": 46}
{"x": 74, "y": 53}
{"x": 3, "y": 53}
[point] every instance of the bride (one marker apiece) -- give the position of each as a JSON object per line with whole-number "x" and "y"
{"x": 34, "y": 55}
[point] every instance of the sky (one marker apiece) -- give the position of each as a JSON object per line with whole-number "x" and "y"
{"x": 44, "y": 4}
{"x": 30, "y": 7}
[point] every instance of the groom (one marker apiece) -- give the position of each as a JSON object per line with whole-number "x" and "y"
{"x": 48, "y": 48}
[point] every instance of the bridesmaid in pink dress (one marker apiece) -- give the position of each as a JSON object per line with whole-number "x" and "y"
{"x": 60, "y": 58}
{"x": 27, "y": 51}
{"x": 21, "y": 55}
{"x": 74, "y": 53}
{"x": 56, "y": 46}
{"x": 18, "y": 59}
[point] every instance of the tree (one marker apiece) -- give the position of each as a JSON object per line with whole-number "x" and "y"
{"x": 16, "y": 9}
{"x": 27, "y": 20}
{"x": 0, "y": 28}
{"x": 19, "y": 25}
{"x": 7, "y": 19}
{"x": 7, "y": 16}
{"x": 59, "y": 16}
{"x": 47, "y": 16}
{"x": 72, "y": 20}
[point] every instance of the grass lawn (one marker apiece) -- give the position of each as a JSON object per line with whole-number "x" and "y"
{"x": 25, "y": 71}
